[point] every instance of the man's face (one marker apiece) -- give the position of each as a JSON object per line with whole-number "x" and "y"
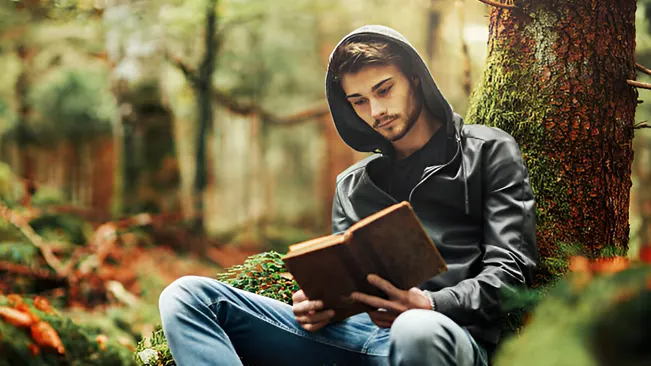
{"x": 384, "y": 98}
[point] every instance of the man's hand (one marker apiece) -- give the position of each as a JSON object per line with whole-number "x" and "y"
{"x": 399, "y": 301}
{"x": 309, "y": 314}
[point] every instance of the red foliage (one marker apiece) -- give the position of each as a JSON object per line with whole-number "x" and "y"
{"x": 645, "y": 253}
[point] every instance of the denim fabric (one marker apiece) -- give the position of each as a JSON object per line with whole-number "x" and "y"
{"x": 207, "y": 322}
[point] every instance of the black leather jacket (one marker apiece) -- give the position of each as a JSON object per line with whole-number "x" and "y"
{"x": 478, "y": 208}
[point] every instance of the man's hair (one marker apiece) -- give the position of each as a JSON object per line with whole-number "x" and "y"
{"x": 353, "y": 56}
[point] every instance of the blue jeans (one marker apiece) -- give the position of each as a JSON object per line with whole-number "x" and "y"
{"x": 207, "y": 322}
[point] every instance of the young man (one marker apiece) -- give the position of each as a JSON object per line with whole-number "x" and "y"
{"x": 467, "y": 184}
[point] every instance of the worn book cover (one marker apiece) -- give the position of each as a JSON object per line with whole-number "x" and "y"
{"x": 390, "y": 243}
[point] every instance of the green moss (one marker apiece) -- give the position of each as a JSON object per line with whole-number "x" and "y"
{"x": 514, "y": 96}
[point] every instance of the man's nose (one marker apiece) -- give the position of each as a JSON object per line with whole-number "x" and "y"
{"x": 377, "y": 110}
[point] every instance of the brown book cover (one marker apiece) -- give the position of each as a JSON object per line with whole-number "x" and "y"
{"x": 390, "y": 243}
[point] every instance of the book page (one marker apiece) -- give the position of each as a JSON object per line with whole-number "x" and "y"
{"x": 314, "y": 244}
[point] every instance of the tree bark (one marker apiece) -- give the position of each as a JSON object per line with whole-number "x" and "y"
{"x": 555, "y": 79}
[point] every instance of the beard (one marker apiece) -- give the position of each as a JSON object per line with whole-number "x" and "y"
{"x": 403, "y": 123}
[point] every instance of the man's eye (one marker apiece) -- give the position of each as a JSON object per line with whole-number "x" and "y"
{"x": 359, "y": 102}
{"x": 385, "y": 90}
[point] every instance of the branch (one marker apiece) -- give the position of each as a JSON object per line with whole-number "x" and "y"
{"x": 638, "y": 84}
{"x": 643, "y": 69}
{"x": 121, "y": 294}
{"x": 499, "y": 5}
{"x": 27, "y": 271}
{"x": 245, "y": 109}
{"x": 28, "y": 232}
{"x": 189, "y": 73}
{"x": 226, "y": 26}
{"x": 318, "y": 111}
{"x": 641, "y": 125}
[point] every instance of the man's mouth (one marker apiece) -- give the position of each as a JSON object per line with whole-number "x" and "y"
{"x": 386, "y": 123}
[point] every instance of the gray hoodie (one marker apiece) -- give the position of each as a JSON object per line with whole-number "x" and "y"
{"x": 478, "y": 208}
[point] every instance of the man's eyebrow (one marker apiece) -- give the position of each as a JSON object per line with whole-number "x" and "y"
{"x": 374, "y": 88}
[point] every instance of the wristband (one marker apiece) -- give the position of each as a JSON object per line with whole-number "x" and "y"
{"x": 431, "y": 300}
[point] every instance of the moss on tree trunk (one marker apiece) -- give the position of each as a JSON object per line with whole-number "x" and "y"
{"x": 555, "y": 78}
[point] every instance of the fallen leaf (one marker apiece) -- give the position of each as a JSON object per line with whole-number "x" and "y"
{"x": 43, "y": 305}
{"x": 579, "y": 264}
{"x": 45, "y": 336}
{"x": 101, "y": 340}
{"x": 15, "y": 317}
{"x": 610, "y": 265}
{"x": 14, "y": 299}
{"x": 24, "y": 308}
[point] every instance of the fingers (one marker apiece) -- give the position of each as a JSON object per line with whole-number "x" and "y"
{"x": 416, "y": 298}
{"x": 299, "y": 296}
{"x": 382, "y": 324}
{"x": 316, "y": 317}
{"x": 385, "y": 286}
{"x": 306, "y": 306}
{"x": 382, "y": 319}
{"x": 383, "y": 316}
{"x": 377, "y": 302}
{"x": 310, "y": 314}
{"x": 313, "y": 327}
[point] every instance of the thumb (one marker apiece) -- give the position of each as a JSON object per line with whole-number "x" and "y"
{"x": 419, "y": 299}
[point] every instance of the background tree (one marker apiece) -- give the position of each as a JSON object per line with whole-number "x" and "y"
{"x": 556, "y": 79}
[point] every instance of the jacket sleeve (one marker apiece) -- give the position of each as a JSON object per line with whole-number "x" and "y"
{"x": 340, "y": 221}
{"x": 509, "y": 244}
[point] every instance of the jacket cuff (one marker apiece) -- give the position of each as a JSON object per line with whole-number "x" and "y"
{"x": 444, "y": 301}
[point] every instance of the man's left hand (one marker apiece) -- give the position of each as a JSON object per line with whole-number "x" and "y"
{"x": 399, "y": 301}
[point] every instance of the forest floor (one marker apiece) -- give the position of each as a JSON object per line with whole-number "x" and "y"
{"x": 154, "y": 267}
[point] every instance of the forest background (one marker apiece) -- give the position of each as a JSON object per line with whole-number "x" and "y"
{"x": 114, "y": 108}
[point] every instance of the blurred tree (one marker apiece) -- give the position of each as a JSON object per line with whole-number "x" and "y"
{"x": 556, "y": 79}
{"x": 242, "y": 65}
{"x": 24, "y": 33}
{"x": 143, "y": 137}
{"x": 642, "y": 171}
{"x": 201, "y": 81}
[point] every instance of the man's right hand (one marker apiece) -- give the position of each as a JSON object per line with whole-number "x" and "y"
{"x": 310, "y": 314}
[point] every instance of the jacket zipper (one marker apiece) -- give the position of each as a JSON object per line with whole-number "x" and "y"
{"x": 458, "y": 141}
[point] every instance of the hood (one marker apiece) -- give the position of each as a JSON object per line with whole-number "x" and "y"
{"x": 352, "y": 129}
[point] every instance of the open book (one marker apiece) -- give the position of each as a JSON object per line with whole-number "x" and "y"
{"x": 390, "y": 243}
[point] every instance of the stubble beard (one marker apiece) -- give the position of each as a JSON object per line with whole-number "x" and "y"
{"x": 400, "y": 130}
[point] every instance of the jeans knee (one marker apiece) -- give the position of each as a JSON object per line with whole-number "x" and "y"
{"x": 418, "y": 328}
{"x": 183, "y": 292}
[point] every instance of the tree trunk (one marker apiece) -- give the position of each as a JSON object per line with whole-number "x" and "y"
{"x": 25, "y": 136}
{"x": 555, "y": 78}
{"x": 204, "y": 91}
{"x": 433, "y": 22}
